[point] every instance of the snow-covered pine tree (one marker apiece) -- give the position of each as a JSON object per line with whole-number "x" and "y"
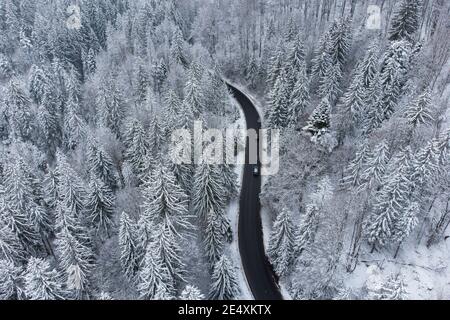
{"x": 308, "y": 228}
{"x": 177, "y": 48}
{"x": 138, "y": 149}
{"x": 357, "y": 96}
{"x": 99, "y": 162}
{"x": 111, "y": 106}
{"x": 407, "y": 222}
{"x": 395, "y": 65}
{"x": 90, "y": 64}
{"x": 75, "y": 256}
{"x": 42, "y": 282}
{"x": 100, "y": 206}
{"x": 282, "y": 242}
{"x": 18, "y": 202}
{"x": 74, "y": 126}
{"x": 405, "y": 21}
{"x": 214, "y": 239}
{"x": 208, "y": 190}
{"x": 392, "y": 289}
{"x": 11, "y": 248}
{"x": 50, "y": 187}
{"x": 374, "y": 115}
{"x": 354, "y": 170}
{"x": 329, "y": 84}
{"x": 167, "y": 244}
{"x": 172, "y": 108}
{"x": 322, "y": 54}
{"x": 340, "y": 42}
{"x": 71, "y": 189}
{"x": 48, "y": 124}
{"x": 299, "y": 98}
{"x": 159, "y": 74}
{"x": 18, "y": 110}
{"x": 389, "y": 209}
{"x": 156, "y": 132}
{"x": 375, "y": 165}
{"x": 153, "y": 275}
{"x": 320, "y": 118}
{"x": 230, "y": 180}
{"x": 419, "y": 110}
{"x": 129, "y": 255}
{"x": 279, "y": 102}
{"x": 191, "y": 292}
{"x": 193, "y": 92}
{"x": 39, "y": 83}
{"x": 116, "y": 112}
{"x": 224, "y": 281}
{"x": 424, "y": 166}
{"x": 142, "y": 83}
{"x": 164, "y": 200}
{"x": 276, "y": 64}
{"x": 296, "y": 57}
{"x": 441, "y": 146}
{"x": 10, "y": 281}
{"x": 323, "y": 193}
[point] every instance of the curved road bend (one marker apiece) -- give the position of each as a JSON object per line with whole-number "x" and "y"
{"x": 258, "y": 270}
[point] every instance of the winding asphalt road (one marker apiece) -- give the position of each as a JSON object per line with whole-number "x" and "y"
{"x": 258, "y": 270}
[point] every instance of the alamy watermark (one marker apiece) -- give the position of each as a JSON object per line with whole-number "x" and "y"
{"x": 373, "y": 21}
{"x": 215, "y": 147}
{"x": 73, "y": 22}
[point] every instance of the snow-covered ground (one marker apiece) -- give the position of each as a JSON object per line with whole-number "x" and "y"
{"x": 425, "y": 271}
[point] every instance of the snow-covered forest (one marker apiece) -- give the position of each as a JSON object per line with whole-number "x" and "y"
{"x": 92, "y": 207}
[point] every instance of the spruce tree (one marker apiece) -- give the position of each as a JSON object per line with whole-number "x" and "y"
{"x": 193, "y": 92}
{"x": 329, "y": 85}
{"x": 74, "y": 125}
{"x": 281, "y": 243}
{"x": 375, "y": 165}
{"x": 391, "y": 203}
{"x": 11, "y": 248}
{"x": 405, "y": 21}
{"x": 42, "y": 282}
{"x": 100, "y": 206}
{"x": 129, "y": 255}
{"x": 354, "y": 170}
{"x": 10, "y": 284}
{"x": 319, "y": 120}
{"x": 299, "y": 98}
{"x": 214, "y": 241}
{"x": 191, "y": 292}
{"x": 177, "y": 48}
{"x": 208, "y": 190}
{"x": 75, "y": 256}
{"x": 419, "y": 110}
{"x": 308, "y": 229}
{"x": 70, "y": 187}
{"x": 275, "y": 65}
{"x": 407, "y": 222}
{"x": 100, "y": 164}
{"x": 279, "y": 102}
{"x": 18, "y": 110}
{"x": 153, "y": 276}
{"x": 224, "y": 281}
{"x": 425, "y": 165}
{"x": 167, "y": 244}
{"x": 164, "y": 199}
{"x": 17, "y": 204}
